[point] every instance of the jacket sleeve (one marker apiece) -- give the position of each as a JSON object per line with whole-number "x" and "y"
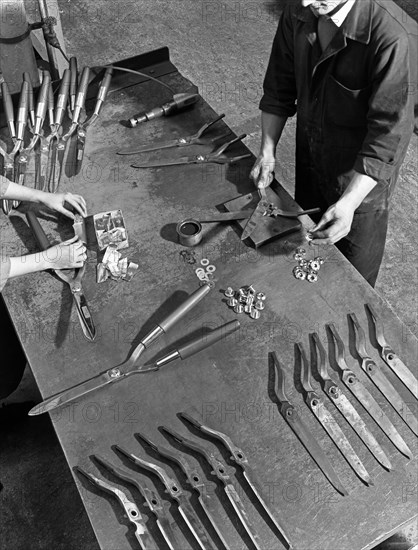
{"x": 279, "y": 85}
{"x": 4, "y": 260}
{"x": 390, "y": 117}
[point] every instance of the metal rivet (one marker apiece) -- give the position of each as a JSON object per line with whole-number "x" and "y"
{"x": 259, "y": 305}
{"x": 229, "y": 292}
{"x": 239, "y": 308}
{"x": 261, "y": 296}
{"x": 232, "y": 302}
{"x": 254, "y": 314}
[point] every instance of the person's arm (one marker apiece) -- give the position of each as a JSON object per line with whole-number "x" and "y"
{"x": 54, "y": 201}
{"x": 271, "y": 129}
{"x": 336, "y": 222}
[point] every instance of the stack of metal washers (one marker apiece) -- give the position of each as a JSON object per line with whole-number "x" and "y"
{"x": 246, "y": 300}
{"x": 306, "y": 270}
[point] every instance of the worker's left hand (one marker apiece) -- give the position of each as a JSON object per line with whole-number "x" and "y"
{"x": 56, "y": 201}
{"x": 334, "y": 224}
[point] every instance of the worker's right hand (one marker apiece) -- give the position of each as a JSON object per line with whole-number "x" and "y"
{"x": 66, "y": 255}
{"x": 262, "y": 172}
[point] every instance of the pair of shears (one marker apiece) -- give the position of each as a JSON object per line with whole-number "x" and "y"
{"x": 129, "y": 367}
{"x": 72, "y": 277}
{"x": 16, "y": 132}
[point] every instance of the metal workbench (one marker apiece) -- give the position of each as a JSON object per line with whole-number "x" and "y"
{"x": 229, "y": 384}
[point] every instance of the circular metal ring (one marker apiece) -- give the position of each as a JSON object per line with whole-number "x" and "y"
{"x": 204, "y": 262}
{"x": 199, "y": 270}
{"x": 210, "y": 268}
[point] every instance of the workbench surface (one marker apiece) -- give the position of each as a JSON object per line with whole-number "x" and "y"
{"x": 228, "y": 385}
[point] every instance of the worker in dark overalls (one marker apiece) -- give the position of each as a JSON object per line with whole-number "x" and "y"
{"x": 69, "y": 254}
{"x": 348, "y": 68}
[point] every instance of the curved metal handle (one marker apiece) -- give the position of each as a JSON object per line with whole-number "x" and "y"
{"x": 339, "y": 346}
{"x": 225, "y": 146}
{"x": 378, "y": 327}
{"x": 51, "y": 105}
{"x": 103, "y": 89}
{"x": 360, "y": 335}
{"x": 208, "y": 339}
{"x": 37, "y": 230}
{"x": 42, "y": 102}
{"x": 73, "y": 82}
{"x": 322, "y": 359}
{"x": 280, "y": 379}
{"x": 208, "y": 125}
{"x": 305, "y": 372}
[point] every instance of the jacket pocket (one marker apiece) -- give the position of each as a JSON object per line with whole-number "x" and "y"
{"x": 346, "y": 107}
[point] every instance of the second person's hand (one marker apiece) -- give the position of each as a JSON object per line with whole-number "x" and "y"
{"x": 56, "y": 201}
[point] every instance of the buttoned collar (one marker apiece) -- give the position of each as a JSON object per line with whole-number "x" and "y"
{"x": 356, "y": 24}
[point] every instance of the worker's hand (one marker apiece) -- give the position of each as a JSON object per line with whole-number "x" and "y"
{"x": 262, "y": 172}
{"x": 56, "y": 201}
{"x": 334, "y": 224}
{"x": 66, "y": 255}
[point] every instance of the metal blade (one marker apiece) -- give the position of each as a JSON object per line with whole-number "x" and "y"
{"x": 160, "y": 163}
{"x": 41, "y": 171}
{"x": 337, "y": 435}
{"x": 313, "y": 448}
{"x": 227, "y": 216}
{"x": 167, "y": 532}
{"x": 154, "y": 147}
{"x": 368, "y": 402}
{"x": 249, "y": 476}
{"x": 402, "y": 372}
{"x": 84, "y": 316}
{"x": 356, "y": 422}
{"x": 387, "y": 389}
{"x": 143, "y": 537}
{"x": 242, "y": 514}
{"x": 193, "y": 523}
{"x": 75, "y": 392}
{"x": 253, "y": 221}
{"x": 204, "y": 500}
{"x": 79, "y": 150}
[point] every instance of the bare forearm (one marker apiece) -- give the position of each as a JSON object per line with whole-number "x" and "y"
{"x": 22, "y": 193}
{"x": 22, "y": 265}
{"x": 271, "y": 130}
{"x": 357, "y": 190}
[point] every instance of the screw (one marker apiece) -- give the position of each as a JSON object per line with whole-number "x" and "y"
{"x": 259, "y": 304}
{"x": 254, "y": 314}
{"x": 232, "y": 302}
{"x": 261, "y": 296}
{"x": 239, "y": 308}
{"x": 229, "y": 292}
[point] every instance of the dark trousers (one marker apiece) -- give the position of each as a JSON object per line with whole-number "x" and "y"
{"x": 365, "y": 244}
{"x": 13, "y": 359}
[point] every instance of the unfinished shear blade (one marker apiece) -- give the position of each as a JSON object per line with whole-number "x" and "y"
{"x": 252, "y": 223}
{"x": 390, "y": 357}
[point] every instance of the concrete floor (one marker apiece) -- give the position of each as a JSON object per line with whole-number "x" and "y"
{"x": 223, "y": 47}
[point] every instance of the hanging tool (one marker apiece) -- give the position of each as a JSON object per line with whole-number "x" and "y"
{"x": 334, "y": 392}
{"x": 177, "y": 494}
{"x": 216, "y": 157}
{"x": 379, "y": 379}
{"x": 194, "y": 139}
{"x": 73, "y": 83}
{"x": 50, "y": 37}
{"x": 17, "y": 133}
{"x": 82, "y": 128}
{"x": 153, "y": 501}
{"x": 290, "y": 414}
{"x": 178, "y": 103}
{"x": 31, "y": 101}
{"x": 42, "y": 151}
{"x": 73, "y": 279}
{"x": 327, "y": 421}
{"x": 390, "y": 357}
{"x": 127, "y": 368}
{"x": 193, "y": 478}
{"x": 25, "y": 154}
{"x": 79, "y": 102}
{"x": 221, "y": 471}
{"x": 54, "y": 136}
{"x": 131, "y": 510}
{"x": 239, "y": 457}
{"x": 364, "y": 397}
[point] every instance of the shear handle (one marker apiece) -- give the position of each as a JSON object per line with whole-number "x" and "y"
{"x": 305, "y": 372}
{"x": 203, "y": 129}
{"x": 321, "y": 356}
{"x": 226, "y": 145}
{"x": 8, "y": 109}
{"x": 280, "y": 379}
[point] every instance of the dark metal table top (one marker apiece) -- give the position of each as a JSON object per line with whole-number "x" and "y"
{"x": 227, "y": 384}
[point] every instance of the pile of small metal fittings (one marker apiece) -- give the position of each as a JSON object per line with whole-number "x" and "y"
{"x": 306, "y": 270}
{"x": 115, "y": 267}
{"x": 246, "y": 300}
{"x": 188, "y": 256}
{"x": 205, "y": 273}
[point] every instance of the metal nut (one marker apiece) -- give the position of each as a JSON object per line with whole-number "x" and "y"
{"x": 232, "y": 302}
{"x": 314, "y": 265}
{"x": 259, "y": 305}
{"x": 229, "y": 292}
{"x": 303, "y": 263}
{"x": 298, "y": 273}
{"x": 261, "y": 296}
{"x": 239, "y": 308}
{"x": 254, "y": 314}
{"x": 312, "y": 277}
{"x": 320, "y": 260}
{"x": 300, "y": 250}
{"x": 297, "y": 256}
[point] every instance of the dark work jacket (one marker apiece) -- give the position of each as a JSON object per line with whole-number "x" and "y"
{"x": 354, "y": 102}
